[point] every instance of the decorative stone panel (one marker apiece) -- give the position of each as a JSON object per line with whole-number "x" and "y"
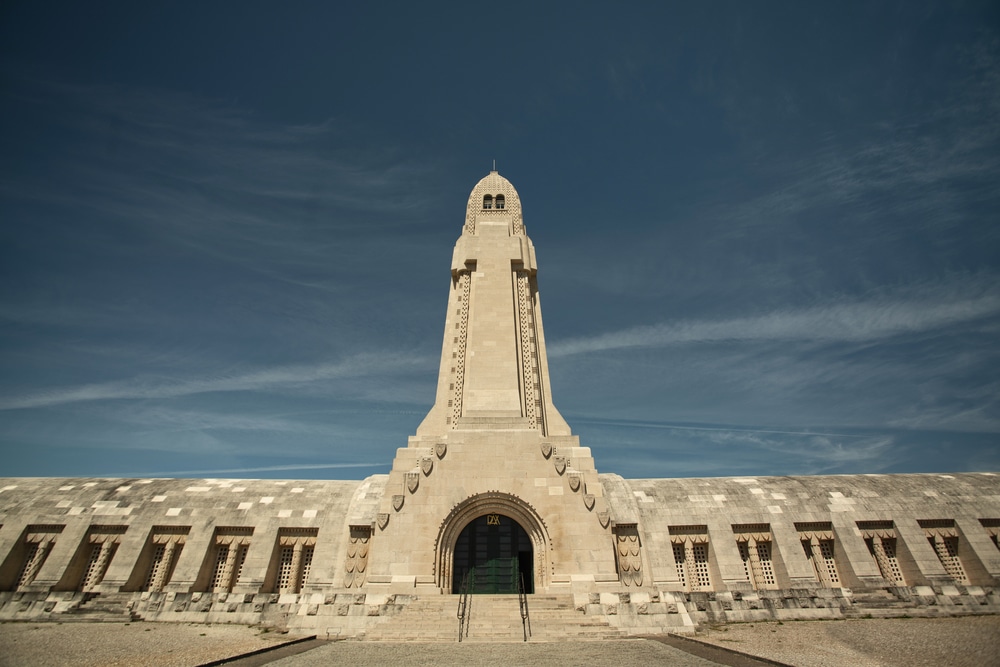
{"x": 356, "y": 561}
{"x": 755, "y": 543}
{"x": 943, "y": 537}
{"x": 880, "y": 537}
{"x": 294, "y": 553}
{"x": 691, "y": 554}
{"x": 102, "y": 544}
{"x": 818, "y": 543}
{"x": 38, "y": 543}
{"x": 628, "y": 554}
{"x": 231, "y": 545}
{"x": 166, "y": 543}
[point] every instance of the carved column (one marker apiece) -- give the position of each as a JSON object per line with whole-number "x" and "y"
{"x": 294, "y": 577}
{"x": 164, "y": 568}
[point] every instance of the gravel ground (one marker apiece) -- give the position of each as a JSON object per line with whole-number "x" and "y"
{"x": 558, "y": 654}
{"x": 131, "y": 644}
{"x": 972, "y": 641}
{"x": 916, "y": 642}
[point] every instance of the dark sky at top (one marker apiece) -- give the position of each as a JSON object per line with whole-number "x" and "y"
{"x": 767, "y": 233}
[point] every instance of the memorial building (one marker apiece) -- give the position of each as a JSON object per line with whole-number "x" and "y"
{"x": 495, "y": 498}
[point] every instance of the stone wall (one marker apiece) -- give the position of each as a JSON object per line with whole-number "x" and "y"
{"x": 682, "y": 551}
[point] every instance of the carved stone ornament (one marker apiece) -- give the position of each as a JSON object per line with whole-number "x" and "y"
{"x": 574, "y": 481}
{"x": 397, "y": 502}
{"x": 604, "y": 517}
{"x": 588, "y": 500}
{"x": 546, "y": 449}
{"x": 383, "y": 520}
{"x": 426, "y": 464}
{"x": 412, "y": 481}
{"x": 560, "y": 462}
{"x": 440, "y": 449}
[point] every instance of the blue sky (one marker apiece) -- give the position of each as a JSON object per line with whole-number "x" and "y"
{"x": 767, "y": 232}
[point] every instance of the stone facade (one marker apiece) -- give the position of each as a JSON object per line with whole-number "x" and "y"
{"x": 495, "y": 493}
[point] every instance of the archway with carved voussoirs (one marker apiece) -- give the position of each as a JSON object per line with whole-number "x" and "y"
{"x": 505, "y": 513}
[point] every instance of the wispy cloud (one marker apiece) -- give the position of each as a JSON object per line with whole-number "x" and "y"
{"x": 729, "y": 451}
{"x": 710, "y": 429}
{"x": 279, "y": 376}
{"x": 210, "y": 176}
{"x": 852, "y": 321}
{"x": 201, "y": 474}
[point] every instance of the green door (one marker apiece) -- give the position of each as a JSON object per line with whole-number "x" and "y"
{"x": 497, "y": 551}
{"x": 497, "y": 575}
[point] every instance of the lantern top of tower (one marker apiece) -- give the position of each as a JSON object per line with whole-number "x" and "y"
{"x": 494, "y": 197}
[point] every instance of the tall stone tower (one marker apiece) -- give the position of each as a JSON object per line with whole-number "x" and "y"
{"x": 493, "y": 482}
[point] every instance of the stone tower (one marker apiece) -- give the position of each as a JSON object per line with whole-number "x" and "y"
{"x": 493, "y": 481}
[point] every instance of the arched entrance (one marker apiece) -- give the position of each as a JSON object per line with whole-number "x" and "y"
{"x": 521, "y": 535}
{"x": 497, "y": 552}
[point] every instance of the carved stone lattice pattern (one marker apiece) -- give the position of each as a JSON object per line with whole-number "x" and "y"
{"x": 103, "y": 542}
{"x": 529, "y": 357}
{"x": 628, "y": 554}
{"x": 946, "y": 548}
{"x": 167, "y": 545}
{"x": 458, "y": 372}
{"x": 231, "y": 552}
{"x": 880, "y": 537}
{"x": 818, "y": 544}
{"x": 356, "y": 562}
{"x": 690, "y": 547}
{"x": 154, "y": 578}
{"x": 754, "y": 542}
{"x": 295, "y": 558}
{"x": 38, "y": 543}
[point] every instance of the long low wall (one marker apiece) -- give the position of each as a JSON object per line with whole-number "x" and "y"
{"x": 294, "y": 553}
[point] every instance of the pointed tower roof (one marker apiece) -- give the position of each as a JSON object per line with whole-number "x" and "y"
{"x": 495, "y": 199}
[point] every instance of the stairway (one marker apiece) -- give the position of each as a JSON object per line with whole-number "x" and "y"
{"x": 492, "y": 618}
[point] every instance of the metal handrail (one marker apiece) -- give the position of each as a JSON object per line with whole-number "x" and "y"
{"x": 522, "y": 598}
{"x": 465, "y": 603}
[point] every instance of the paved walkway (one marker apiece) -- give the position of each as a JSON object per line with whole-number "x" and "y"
{"x": 956, "y": 642}
{"x": 561, "y": 654}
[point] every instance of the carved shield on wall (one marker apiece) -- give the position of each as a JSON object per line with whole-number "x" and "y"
{"x": 604, "y": 518}
{"x": 440, "y": 449}
{"x": 588, "y": 500}
{"x": 383, "y": 519}
{"x": 412, "y": 481}
{"x": 546, "y": 449}
{"x": 397, "y": 502}
{"x": 574, "y": 481}
{"x": 426, "y": 464}
{"x": 560, "y": 462}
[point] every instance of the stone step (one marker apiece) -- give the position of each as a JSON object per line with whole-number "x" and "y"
{"x": 492, "y": 618}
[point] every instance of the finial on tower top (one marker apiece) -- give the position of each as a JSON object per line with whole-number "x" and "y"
{"x": 494, "y": 164}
